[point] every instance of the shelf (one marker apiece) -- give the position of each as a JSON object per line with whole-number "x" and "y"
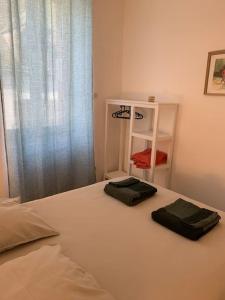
{"x": 115, "y": 174}
{"x": 148, "y": 135}
{"x": 159, "y": 167}
{"x": 139, "y": 103}
{"x": 162, "y": 167}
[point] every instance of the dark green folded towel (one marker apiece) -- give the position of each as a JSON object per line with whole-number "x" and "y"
{"x": 125, "y": 183}
{"x": 186, "y": 219}
{"x": 130, "y": 191}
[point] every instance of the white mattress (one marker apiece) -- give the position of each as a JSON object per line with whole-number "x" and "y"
{"x": 130, "y": 255}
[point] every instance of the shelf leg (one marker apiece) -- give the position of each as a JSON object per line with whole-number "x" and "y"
{"x": 106, "y": 141}
{"x": 121, "y": 146}
{"x": 129, "y": 167}
{"x": 154, "y": 144}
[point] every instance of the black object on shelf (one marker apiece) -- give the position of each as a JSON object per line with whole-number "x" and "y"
{"x": 124, "y": 113}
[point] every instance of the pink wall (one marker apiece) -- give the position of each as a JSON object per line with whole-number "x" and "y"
{"x": 108, "y": 27}
{"x": 165, "y": 46}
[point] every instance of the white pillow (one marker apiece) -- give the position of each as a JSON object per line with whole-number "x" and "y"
{"x": 46, "y": 274}
{"x": 19, "y": 225}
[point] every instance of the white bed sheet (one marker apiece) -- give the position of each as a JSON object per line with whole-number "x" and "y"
{"x": 129, "y": 254}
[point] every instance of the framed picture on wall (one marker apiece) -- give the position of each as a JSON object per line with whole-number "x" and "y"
{"x": 215, "y": 73}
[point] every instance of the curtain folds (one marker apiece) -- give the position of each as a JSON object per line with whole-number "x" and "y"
{"x": 46, "y": 77}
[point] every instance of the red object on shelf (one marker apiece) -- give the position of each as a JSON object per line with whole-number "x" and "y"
{"x": 142, "y": 160}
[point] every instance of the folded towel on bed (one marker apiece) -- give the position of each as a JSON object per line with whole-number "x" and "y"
{"x": 130, "y": 191}
{"x": 186, "y": 219}
{"x": 126, "y": 182}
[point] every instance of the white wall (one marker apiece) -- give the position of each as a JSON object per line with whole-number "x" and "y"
{"x": 108, "y": 25}
{"x": 165, "y": 48}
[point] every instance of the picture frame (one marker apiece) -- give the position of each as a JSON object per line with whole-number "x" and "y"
{"x": 215, "y": 73}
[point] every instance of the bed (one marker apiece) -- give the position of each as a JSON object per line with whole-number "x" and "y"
{"x": 129, "y": 254}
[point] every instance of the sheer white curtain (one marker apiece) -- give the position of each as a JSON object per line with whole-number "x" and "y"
{"x": 46, "y": 77}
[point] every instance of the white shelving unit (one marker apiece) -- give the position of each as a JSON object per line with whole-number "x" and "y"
{"x": 156, "y": 130}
